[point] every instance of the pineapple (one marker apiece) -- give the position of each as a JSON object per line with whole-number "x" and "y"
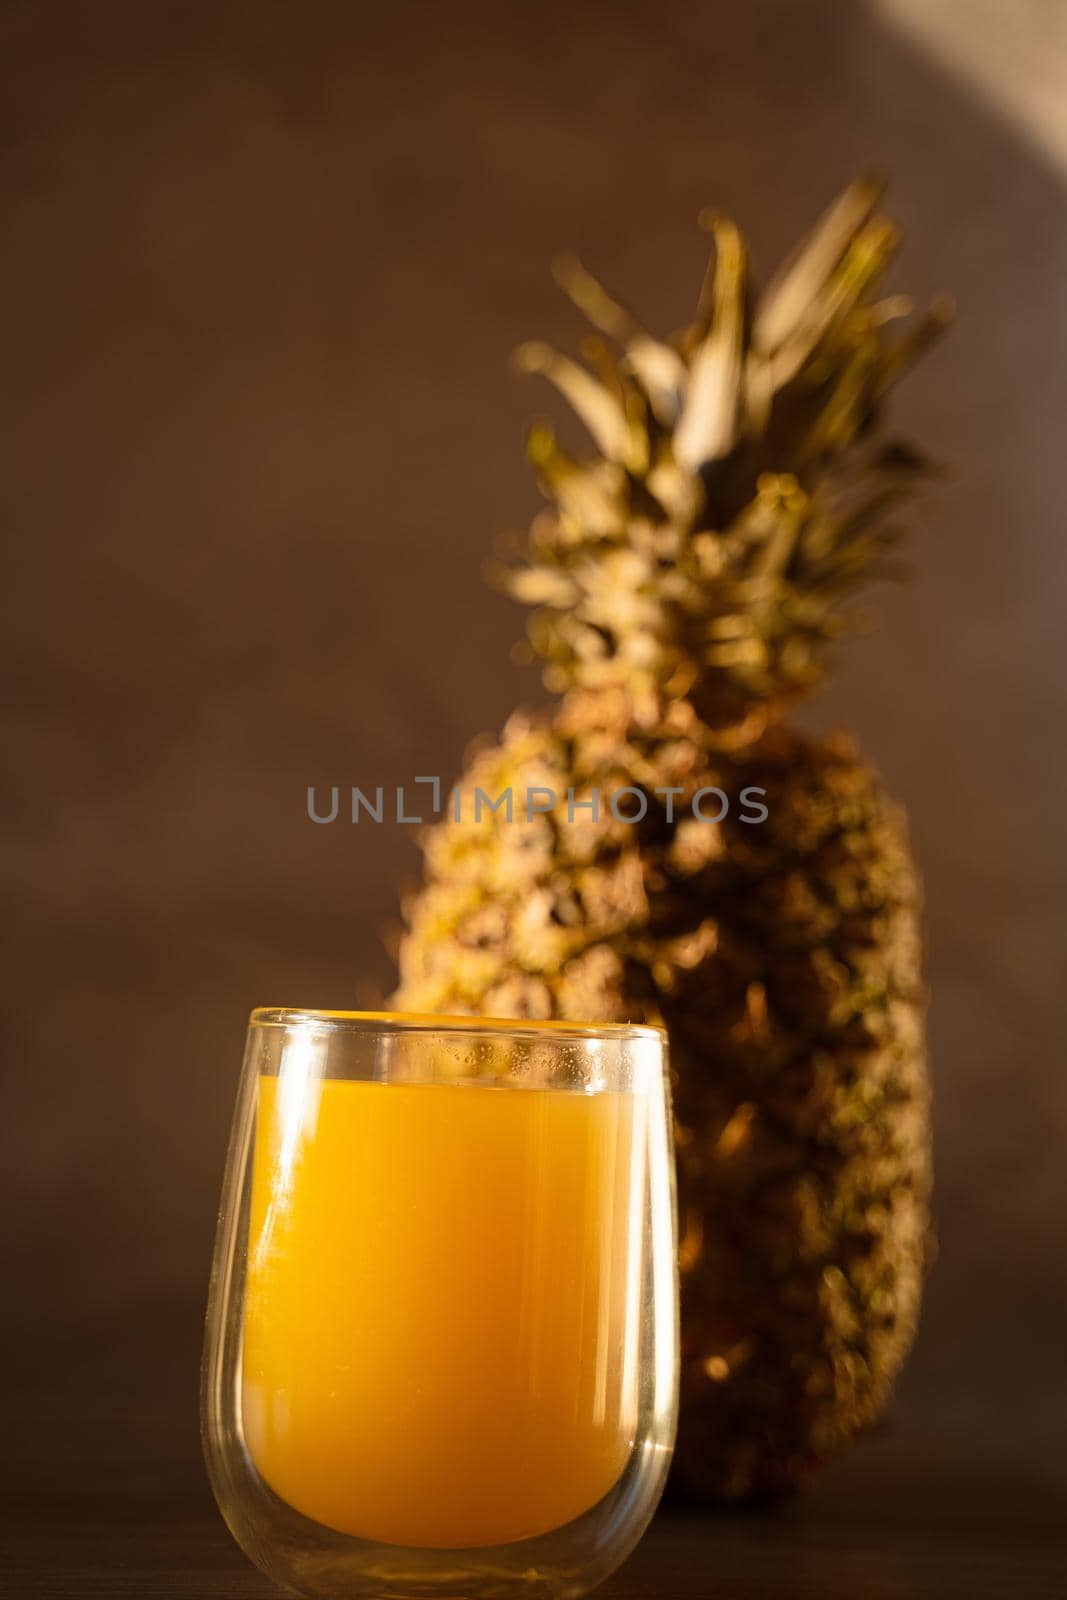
{"x": 753, "y": 889}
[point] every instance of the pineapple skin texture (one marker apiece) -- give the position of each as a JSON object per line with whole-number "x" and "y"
{"x": 784, "y": 958}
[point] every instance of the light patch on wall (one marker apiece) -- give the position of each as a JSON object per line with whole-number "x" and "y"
{"x": 1013, "y": 52}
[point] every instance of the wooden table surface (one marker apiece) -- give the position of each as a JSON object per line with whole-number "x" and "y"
{"x": 102, "y": 1494}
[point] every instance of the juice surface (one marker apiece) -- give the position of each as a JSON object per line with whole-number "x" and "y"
{"x": 442, "y": 1302}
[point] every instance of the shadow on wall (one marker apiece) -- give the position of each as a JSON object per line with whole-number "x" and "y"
{"x": 268, "y": 269}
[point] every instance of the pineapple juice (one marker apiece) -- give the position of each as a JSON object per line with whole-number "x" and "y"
{"x": 441, "y": 1321}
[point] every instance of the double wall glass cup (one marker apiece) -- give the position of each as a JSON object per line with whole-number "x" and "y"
{"x": 442, "y": 1345}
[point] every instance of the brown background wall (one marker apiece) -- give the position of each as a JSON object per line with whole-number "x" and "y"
{"x": 264, "y": 265}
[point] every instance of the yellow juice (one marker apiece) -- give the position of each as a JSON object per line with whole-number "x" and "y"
{"x": 441, "y": 1322}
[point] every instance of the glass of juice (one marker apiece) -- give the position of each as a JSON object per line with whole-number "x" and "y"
{"x": 442, "y": 1336}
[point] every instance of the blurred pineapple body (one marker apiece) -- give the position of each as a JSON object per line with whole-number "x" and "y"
{"x": 687, "y": 578}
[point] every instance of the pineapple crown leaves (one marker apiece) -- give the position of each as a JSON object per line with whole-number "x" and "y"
{"x": 738, "y": 491}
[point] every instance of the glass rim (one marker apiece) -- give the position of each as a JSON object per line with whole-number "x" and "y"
{"x": 447, "y": 1022}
